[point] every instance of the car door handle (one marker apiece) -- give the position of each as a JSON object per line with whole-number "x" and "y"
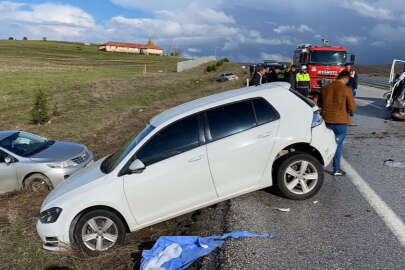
{"x": 197, "y": 158}
{"x": 264, "y": 135}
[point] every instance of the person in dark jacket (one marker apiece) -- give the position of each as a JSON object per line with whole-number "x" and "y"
{"x": 266, "y": 76}
{"x": 292, "y": 76}
{"x": 274, "y": 75}
{"x": 354, "y": 81}
{"x": 257, "y": 78}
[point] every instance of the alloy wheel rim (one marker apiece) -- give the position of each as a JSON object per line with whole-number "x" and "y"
{"x": 301, "y": 177}
{"x": 39, "y": 185}
{"x": 99, "y": 233}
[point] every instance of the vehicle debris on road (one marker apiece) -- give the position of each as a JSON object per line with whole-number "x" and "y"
{"x": 394, "y": 164}
{"x": 179, "y": 252}
{"x": 283, "y": 209}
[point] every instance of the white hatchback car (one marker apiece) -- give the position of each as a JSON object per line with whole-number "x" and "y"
{"x": 189, "y": 157}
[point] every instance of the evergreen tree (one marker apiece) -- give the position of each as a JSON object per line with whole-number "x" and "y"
{"x": 39, "y": 112}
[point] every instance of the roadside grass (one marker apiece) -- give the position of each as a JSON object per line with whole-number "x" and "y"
{"x": 103, "y": 99}
{"x": 380, "y": 71}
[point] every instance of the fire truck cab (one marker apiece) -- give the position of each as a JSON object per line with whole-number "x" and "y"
{"x": 324, "y": 62}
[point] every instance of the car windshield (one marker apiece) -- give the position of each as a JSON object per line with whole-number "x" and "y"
{"x": 25, "y": 144}
{"x": 113, "y": 160}
{"x": 332, "y": 58}
{"x": 228, "y": 74}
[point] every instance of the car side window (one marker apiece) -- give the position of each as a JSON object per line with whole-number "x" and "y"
{"x": 265, "y": 113}
{"x": 3, "y": 155}
{"x": 231, "y": 119}
{"x": 175, "y": 139}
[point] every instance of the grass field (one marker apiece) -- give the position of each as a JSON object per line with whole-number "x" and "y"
{"x": 104, "y": 98}
{"x": 381, "y": 71}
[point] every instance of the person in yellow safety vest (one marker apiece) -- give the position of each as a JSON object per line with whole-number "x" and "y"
{"x": 281, "y": 75}
{"x": 303, "y": 81}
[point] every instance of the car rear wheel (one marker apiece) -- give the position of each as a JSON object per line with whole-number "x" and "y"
{"x": 299, "y": 176}
{"x": 99, "y": 230}
{"x": 37, "y": 182}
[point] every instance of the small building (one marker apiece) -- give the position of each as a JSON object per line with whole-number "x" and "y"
{"x": 145, "y": 49}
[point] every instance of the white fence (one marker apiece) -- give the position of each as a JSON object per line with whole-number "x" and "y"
{"x": 182, "y": 66}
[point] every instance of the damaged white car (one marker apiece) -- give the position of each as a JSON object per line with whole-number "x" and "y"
{"x": 396, "y": 96}
{"x": 189, "y": 157}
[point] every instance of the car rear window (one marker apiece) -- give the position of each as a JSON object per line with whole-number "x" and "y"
{"x": 303, "y": 98}
{"x": 265, "y": 113}
{"x": 231, "y": 119}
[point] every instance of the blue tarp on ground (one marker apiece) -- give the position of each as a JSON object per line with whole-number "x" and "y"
{"x": 179, "y": 252}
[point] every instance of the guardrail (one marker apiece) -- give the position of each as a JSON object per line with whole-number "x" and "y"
{"x": 376, "y": 82}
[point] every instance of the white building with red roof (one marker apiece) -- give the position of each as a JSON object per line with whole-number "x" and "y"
{"x": 145, "y": 49}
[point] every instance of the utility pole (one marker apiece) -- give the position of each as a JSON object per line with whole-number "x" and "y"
{"x": 215, "y": 51}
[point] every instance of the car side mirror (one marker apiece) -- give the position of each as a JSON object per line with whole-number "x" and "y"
{"x": 8, "y": 160}
{"x": 136, "y": 166}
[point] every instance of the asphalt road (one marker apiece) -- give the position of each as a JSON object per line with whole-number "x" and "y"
{"x": 344, "y": 226}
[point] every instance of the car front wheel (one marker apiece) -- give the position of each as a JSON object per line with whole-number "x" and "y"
{"x": 299, "y": 176}
{"x": 99, "y": 230}
{"x": 37, "y": 182}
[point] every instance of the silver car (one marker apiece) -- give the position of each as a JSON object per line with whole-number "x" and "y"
{"x": 227, "y": 77}
{"x": 28, "y": 161}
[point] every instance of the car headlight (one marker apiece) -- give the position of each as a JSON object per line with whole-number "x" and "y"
{"x": 62, "y": 164}
{"x": 50, "y": 215}
{"x": 317, "y": 119}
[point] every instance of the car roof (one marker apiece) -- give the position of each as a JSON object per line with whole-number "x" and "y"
{"x": 5, "y": 134}
{"x": 191, "y": 106}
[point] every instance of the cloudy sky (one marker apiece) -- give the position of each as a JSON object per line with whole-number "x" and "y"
{"x": 243, "y": 30}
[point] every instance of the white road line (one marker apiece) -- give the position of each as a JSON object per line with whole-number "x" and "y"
{"x": 393, "y": 222}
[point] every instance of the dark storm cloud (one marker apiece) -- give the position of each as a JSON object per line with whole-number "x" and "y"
{"x": 244, "y": 30}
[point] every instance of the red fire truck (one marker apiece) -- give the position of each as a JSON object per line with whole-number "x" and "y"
{"x": 324, "y": 62}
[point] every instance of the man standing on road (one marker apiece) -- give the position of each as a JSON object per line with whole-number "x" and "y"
{"x": 257, "y": 78}
{"x": 303, "y": 81}
{"x": 353, "y": 82}
{"x": 292, "y": 76}
{"x": 337, "y": 102}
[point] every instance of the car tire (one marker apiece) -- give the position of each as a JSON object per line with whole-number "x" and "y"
{"x": 37, "y": 182}
{"x": 299, "y": 176}
{"x": 399, "y": 114}
{"x": 98, "y": 231}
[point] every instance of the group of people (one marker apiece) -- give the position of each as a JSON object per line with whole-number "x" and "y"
{"x": 264, "y": 74}
{"x": 336, "y": 99}
{"x": 299, "y": 80}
